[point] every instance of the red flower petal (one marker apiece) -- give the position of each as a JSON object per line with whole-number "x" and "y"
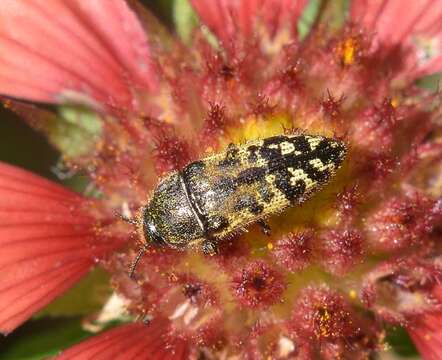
{"x": 227, "y": 18}
{"x": 418, "y": 24}
{"x": 427, "y": 336}
{"x": 53, "y": 50}
{"x": 133, "y": 341}
{"x": 45, "y": 244}
{"x": 426, "y": 332}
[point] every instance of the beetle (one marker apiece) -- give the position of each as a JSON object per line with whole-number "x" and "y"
{"x": 213, "y": 198}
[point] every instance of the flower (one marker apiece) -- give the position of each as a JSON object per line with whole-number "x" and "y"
{"x": 134, "y": 102}
{"x": 425, "y": 331}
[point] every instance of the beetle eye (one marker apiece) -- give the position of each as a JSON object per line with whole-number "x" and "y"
{"x": 150, "y": 230}
{"x": 153, "y": 234}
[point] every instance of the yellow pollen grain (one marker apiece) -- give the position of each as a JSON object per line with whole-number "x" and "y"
{"x": 395, "y": 102}
{"x": 270, "y": 246}
{"x": 324, "y": 329}
{"x": 353, "y": 295}
{"x": 348, "y": 51}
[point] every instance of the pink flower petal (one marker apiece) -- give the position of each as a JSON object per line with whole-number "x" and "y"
{"x": 133, "y": 341}
{"x": 53, "y": 49}
{"x": 417, "y": 24}
{"x": 426, "y": 332}
{"x": 228, "y": 18}
{"x": 427, "y": 336}
{"x": 45, "y": 244}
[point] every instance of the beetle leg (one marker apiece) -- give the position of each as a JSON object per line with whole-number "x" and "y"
{"x": 136, "y": 261}
{"x": 265, "y": 228}
{"x": 209, "y": 247}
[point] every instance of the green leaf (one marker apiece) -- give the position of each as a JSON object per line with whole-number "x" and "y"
{"x": 185, "y": 19}
{"x": 72, "y": 130}
{"x": 332, "y": 13}
{"x": 87, "y": 297}
{"x": 335, "y": 13}
{"x": 76, "y": 181}
{"x": 308, "y": 17}
{"x": 398, "y": 338}
{"x": 82, "y": 184}
{"x": 431, "y": 82}
{"x": 39, "y": 339}
{"x": 75, "y": 131}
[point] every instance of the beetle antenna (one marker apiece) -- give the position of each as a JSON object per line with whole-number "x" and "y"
{"x": 136, "y": 261}
{"x": 129, "y": 220}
